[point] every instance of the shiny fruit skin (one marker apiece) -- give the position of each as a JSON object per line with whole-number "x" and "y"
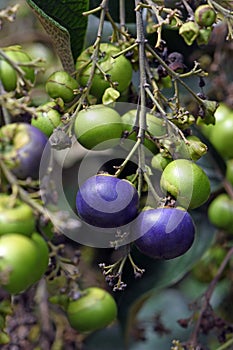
{"x": 186, "y": 182}
{"x": 221, "y": 137}
{"x": 222, "y": 113}
{"x": 18, "y": 259}
{"x": 159, "y": 162}
{"x": 165, "y": 233}
{"x": 8, "y": 75}
{"x": 94, "y": 310}
{"x": 229, "y": 171}
{"x": 47, "y": 120}
{"x": 98, "y": 127}
{"x": 42, "y": 256}
{"x": 61, "y": 84}
{"x": 220, "y": 212}
{"x": 106, "y": 201}
{"x": 155, "y": 127}
{"x": 18, "y": 217}
{"x": 22, "y": 149}
{"x": 119, "y": 69}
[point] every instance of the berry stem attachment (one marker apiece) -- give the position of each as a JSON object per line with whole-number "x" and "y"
{"x": 151, "y": 188}
{"x": 114, "y": 272}
{"x": 125, "y": 50}
{"x": 137, "y": 271}
{"x": 21, "y": 192}
{"x": 131, "y": 153}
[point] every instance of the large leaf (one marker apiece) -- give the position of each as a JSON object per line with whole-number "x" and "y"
{"x": 64, "y": 22}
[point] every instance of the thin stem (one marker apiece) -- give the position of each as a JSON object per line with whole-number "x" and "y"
{"x": 96, "y": 46}
{"x": 131, "y": 153}
{"x": 22, "y": 193}
{"x": 157, "y": 198}
{"x": 207, "y": 295}
{"x": 115, "y": 27}
{"x": 175, "y": 75}
{"x": 226, "y": 345}
{"x": 125, "y": 50}
{"x": 17, "y": 68}
{"x": 157, "y": 104}
{"x": 91, "y": 12}
{"x": 223, "y": 10}
{"x": 122, "y": 16}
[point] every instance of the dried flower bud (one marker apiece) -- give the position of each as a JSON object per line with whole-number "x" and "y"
{"x": 189, "y": 31}
{"x": 196, "y": 148}
{"x": 204, "y": 36}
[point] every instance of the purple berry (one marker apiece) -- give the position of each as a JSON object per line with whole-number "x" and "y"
{"x": 22, "y": 149}
{"x": 165, "y": 233}
{"x": 107, "y": 201}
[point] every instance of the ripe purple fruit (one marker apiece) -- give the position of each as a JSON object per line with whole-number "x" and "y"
{"x": 165, "y": 233}
{"x": 107, "y": 201}
{"x": 22, "y": 146}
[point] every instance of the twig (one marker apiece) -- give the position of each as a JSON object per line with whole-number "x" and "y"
{"x": 193, "y": 340}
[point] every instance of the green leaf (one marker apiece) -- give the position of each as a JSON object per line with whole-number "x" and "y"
{"x": 64, "y": 22}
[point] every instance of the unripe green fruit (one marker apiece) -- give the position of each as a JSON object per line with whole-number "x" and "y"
{"x": 61, "y": 84}
{"x": 119, "y": 69}
{"x": 155, "y": 128}
{"x": 186, "y": 182}
{"x": 189, "y": 31}
{"x": 98, "y": 127}
{"x": 222, "y": 137}
{"x": 159, "y": 162}
{"x": 222, "y": 113}
{"x": 229, "y": 171}
{"x": 18, "y": 258}
{"x": 95, "y": 309}
{"x": 8, "y": 74}
{"x": 205, "y": 15}
{"x": 42, "y": 256}
{"x": 18, "y": 217}
{"x": 47, "y": 119}
{"x": 220, "y": 212}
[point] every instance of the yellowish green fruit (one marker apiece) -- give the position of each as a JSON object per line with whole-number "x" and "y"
{"x": 98, "y": 127}
{"x": 8, "y": 74}
{"x": 155, "y": 128}
{"x": 95, "y": 309}
{"x": 220, "y": 212}
{"x": 48, "y": 118}
{"x": 118, "y": 69}
{"x": 186, "y": 182}
{"x": 61, "y": 84}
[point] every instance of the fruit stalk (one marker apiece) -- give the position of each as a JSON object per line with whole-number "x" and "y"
{"x": 193, "y": 341}
{"x": 143, "y": 83}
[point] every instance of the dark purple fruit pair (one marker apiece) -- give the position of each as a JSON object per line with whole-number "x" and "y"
{"x": 107, "y": 201}
{"x": 22, "y": 146}
{"x": 165, "y": 233}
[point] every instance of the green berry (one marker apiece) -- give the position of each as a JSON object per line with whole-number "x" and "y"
{"x": 47, "y": 119}
{"x": 61, "y": 84}
{"x": 186, "y": 182}
{"x": 205, "y": 16}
